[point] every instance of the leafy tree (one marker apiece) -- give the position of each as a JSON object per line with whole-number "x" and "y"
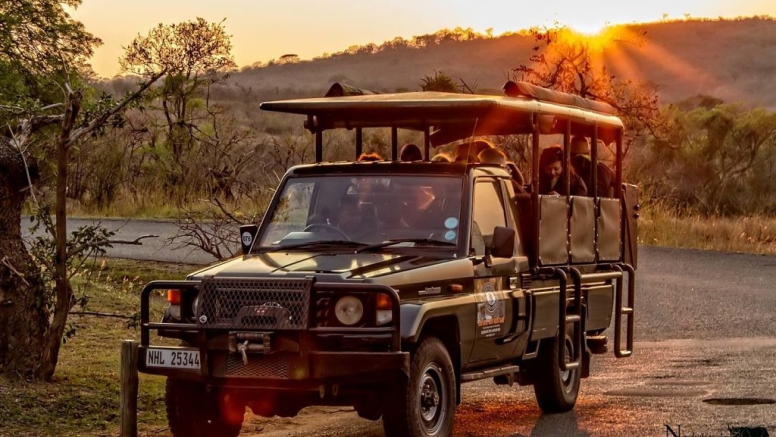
{"x": 45, "y": 52}
{"x": 714, "y": 160}
{"x": 196, "y": 54}
{"x": 39, "y": 46}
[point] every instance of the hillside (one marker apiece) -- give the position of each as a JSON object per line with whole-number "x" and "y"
{"x": 734, "y": 60}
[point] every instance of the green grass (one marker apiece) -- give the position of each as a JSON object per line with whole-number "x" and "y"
{"x": 83, "y": 398}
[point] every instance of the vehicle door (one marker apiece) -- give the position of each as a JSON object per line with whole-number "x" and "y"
{"x": 494, "y": 277}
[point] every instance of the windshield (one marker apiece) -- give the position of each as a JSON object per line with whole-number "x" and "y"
{"x": 366, "y": 210}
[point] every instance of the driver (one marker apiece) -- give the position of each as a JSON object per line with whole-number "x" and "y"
{"x": 350, "y": 219}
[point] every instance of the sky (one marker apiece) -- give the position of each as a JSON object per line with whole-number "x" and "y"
{"x": 268, "y": 29}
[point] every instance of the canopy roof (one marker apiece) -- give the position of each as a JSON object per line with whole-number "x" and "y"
{"x": 452, "y": 116}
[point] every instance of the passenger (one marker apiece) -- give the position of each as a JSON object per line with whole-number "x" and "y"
{"x": 492, "y": 156}
{"x": 580, "y": 161}
{"x": 410, "y": 152}
{"x": 441, "y": 157}
{"x": 468, "y": 152}
{"x": 551, "y": 174}
{"x": 369, "y": 157}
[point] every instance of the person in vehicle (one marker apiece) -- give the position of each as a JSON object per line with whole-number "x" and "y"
{"x": 492, "y": 156}
{"x": 350, "y": 218}
{"x": 441, "y": 157}
{"x": 468, "y": 152}
{"x": 369, "y": 157}
{"x": 551, "y": 179}
{"x": 580, "y": 161}
{"x": 410, "y": 152}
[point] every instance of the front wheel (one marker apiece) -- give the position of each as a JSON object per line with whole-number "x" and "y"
{"x": 425, "y": 407}
{"x": 192, "y": 411}
{"x": 556, "y": 390}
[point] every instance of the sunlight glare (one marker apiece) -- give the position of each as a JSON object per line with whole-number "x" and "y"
{"x": 597, "y": 40}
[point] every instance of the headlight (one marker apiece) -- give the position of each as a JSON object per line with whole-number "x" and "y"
{"x": 349, "y": 310}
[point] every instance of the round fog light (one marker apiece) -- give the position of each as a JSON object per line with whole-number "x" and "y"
{"x": 349, "y": 310}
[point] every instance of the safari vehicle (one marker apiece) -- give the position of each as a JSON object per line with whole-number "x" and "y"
{"x": 387, "y": 285}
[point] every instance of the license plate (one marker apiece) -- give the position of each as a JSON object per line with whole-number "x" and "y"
{"x": 173, "y": 358}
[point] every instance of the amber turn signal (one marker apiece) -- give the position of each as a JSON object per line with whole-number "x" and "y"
{"x": 383, "y": 302}
{"x": 174, "y": 297}
{"x": 455, "y": 288}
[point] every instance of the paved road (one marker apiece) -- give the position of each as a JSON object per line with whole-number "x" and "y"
{"x": 704, "y": 329}
{"x": 156, "y": 248}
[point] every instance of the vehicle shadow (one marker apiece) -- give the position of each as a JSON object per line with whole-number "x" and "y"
{"x": 565, "y": 424}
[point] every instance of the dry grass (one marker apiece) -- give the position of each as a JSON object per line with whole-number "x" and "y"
{"x": 83, "y": 398}
{"x": 660, "y": 227}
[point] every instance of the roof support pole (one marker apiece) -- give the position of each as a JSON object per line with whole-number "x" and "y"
{"x": 594, "y": 161}
{"x": 618, "y": 170}
{"x": 567, "y": 158}
{"x": 359, "y": 142}
{"x": 535, "y": 186}
{"x": 426, "y": 143}
{"x": 394, "y": 143}
{"x": 318, "y": 146}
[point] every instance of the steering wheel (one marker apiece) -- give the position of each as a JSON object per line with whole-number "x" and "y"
{"x": 326, "y": 227}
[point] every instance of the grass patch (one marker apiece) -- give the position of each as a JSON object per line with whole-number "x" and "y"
{"x": 660, "y": 227}
{"x": 83, "y": 398}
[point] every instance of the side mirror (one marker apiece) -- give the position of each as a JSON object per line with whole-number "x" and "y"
{"x": 247, "y": 235}
{"x": 503, "y": 242}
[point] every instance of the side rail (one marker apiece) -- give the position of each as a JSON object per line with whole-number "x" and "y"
{"x": 564, "y": 318}
{"x": 624, "y": 309}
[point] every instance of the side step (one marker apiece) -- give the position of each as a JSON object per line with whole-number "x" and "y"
{"x": 489, "y": 373}
{"x": 597, "y": 344}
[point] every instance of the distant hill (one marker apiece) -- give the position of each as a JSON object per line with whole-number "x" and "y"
{"x": 733, "y": 60}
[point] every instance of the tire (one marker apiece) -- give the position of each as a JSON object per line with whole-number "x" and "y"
{"x": 556, "y": 391}
{"x": 425, "y": 407}
{"x": 193, "y": 412}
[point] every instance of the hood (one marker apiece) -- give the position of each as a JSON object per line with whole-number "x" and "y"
{"x": 347, "y": 265}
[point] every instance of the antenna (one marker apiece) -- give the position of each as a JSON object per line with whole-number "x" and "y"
{"x": 471, "y": 140}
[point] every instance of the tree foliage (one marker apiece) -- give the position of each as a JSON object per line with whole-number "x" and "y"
{"x": 189, "y": 49}
{"x": 717, "y": 159}
{"x": 572, "y": 63}
{"x": 40, "y": 45}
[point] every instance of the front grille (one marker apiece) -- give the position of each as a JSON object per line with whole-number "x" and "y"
{"x": 273, "y": 366}
{"x": 246, "y": 303}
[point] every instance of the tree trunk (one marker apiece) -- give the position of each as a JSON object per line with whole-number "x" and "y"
{"x": 64, "y": 292}
{"x": 24, "y": 318}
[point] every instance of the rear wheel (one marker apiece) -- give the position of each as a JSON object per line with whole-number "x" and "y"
{"x": 556, "y": 390}
{"x": 192, "y": 411}
{"x": 425, "y": 407}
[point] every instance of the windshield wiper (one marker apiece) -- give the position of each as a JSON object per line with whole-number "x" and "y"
{"x": 417, "y": 241}
{"x": 309, "y": 244}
